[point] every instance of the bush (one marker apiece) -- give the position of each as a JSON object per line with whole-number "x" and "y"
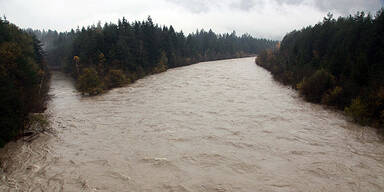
{"x": 116, "y": 78}
{"x": 358, "y": 111}
{"x": 162, "y": 65}
{"x": 333, "y": 97}
{"x": 316, "y": 85}
{"x": 38, "y": 122}
{"x": 89, "y": 82}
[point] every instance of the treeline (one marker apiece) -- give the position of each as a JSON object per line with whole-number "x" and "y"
{"x": 103, "y": 57}
{"x": 23, "y": 79}
{"x": 338, "y": 62}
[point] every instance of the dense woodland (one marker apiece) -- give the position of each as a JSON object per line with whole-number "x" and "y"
{"x": 23, "y": 79}
{"x": 99, "y": 58}
{"x": 102, "y": 57}
{"x": 338, "y": 62}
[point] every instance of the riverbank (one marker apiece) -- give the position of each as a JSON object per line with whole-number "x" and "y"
{"x": 214, "y": 126}
{"x": 90, "y": 83}
{"x": 24, "y": 80}
{"x": 338, "y": 63}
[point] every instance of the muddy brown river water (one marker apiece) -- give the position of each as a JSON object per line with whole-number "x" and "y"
{"x": 214, "y": 126}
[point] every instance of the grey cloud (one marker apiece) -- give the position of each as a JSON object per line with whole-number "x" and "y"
{"x": 343, "y": 7}
{"x": 262, "y": 18}
{"x": 348, "y": 6}
{"x": 195, "y": 6}
{"x": 290, "y": 2}
{"x": 202, "y": 6}
{"x": 246, "y": 5}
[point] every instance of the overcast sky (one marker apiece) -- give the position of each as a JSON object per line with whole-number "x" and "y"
{"x": 260, "y": 18}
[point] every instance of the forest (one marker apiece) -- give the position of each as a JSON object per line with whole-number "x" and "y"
{"x": 101, "y": 57}
{"x": 24, "y": 79}
{"x": 337, "y": 62}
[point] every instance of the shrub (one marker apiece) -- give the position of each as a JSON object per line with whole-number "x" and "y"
{"x": 38, "y": 121}
{"x": 131, "y": 77}
{"x": 162, "y": 65}
{"x": 89, "y": 82}
{"x": 116, "y": 78}
{"x": 333, "y": 97}
{"x": 316, "y": 85}
{"x": 358, "y": 111}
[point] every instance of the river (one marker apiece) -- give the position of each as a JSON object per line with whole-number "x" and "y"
{"x": 214, "y": 126}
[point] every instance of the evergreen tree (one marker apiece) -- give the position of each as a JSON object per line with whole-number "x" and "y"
{"x": 139, "y": 48}
{"x": 338, "y": 62}
{"x": 23, "y": 79}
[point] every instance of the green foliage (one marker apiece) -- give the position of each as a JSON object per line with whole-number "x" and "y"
{"x": 89, "y": 82}
{"x": 23, "y": 80}
{"x": 162, "y": 65}
{"x": 141, "y": 48}
{"x": 101, "y": 64}
{"x": 38, "y": 119}
{"x": 358, "y": 111}
{"x": 333, "y": 97}
{"x": 131, "y": 77}
{"x": 350, "y": 49}
{"x": 116, "y": 78}
{"x": 316, "y": 85}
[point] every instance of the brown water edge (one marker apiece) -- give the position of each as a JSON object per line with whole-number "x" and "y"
{"x": 214, "y": 126}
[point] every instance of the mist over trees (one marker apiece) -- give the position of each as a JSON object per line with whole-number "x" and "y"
{"x": 23, "y": 79}
{"x": 338, "y": 62}
{"x": 123, "y": 52}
